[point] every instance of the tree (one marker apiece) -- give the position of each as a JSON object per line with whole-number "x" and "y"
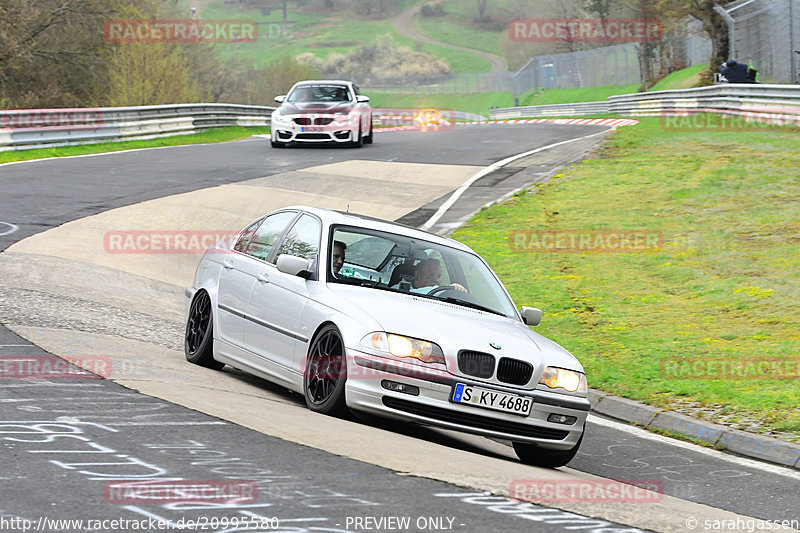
{"x": 50, "y": 51}
{"x": 713, "y": 24}
{"x": 481, "y": 10}
{"x": 150, "y": 74}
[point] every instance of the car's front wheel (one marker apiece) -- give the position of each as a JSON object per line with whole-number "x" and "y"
{"x": 359, "y": 139}
{"x": 325, "y": 373}
{"x": 369, "y": 138}
{"x": 531, "y": 454}
{"x": 198, "y": 342}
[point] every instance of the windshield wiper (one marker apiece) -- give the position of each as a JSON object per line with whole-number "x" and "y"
{"x": 450, "y": 299}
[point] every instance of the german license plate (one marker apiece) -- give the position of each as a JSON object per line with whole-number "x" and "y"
{"x": 492, "y": 399}
{"x": 312, "y": 128}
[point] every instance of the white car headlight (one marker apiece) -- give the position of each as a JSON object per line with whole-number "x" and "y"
{"x": 277, "y": 118}
{"x": 568, "y": 380}
{"x": 401, "y": 346}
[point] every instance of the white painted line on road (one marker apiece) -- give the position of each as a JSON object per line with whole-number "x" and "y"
{"x": 488, "y": 170}
{"x": 741, "y": 461}
{"x": 169, "y": 424}
{"x": 9, "y": 231}
{"x": 59, "y": 158}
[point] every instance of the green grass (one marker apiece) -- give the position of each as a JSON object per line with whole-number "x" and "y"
{"x": 460, "y": 34}
{"x": 724, "y": 281}
{"x": 211, "y": 135}
{"x": 322, "y": 34}
{"x": 570, "y": 96}
{"x": 681, "y": 79}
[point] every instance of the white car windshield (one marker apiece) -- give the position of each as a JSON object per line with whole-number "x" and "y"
{"x": 319, "y": 93}
{"x": 386, "y": 261}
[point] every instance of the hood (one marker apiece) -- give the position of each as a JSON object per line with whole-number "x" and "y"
{"x": 454, "y": 327}
{"x": 296, "y": 108}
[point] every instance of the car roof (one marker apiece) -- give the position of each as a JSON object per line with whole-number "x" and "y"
{"x": 322, "y": 82}
{"x": 330, "y": 216}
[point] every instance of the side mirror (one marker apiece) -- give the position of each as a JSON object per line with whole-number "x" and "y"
{"x": 531, "y": 315}
{"x": 280, "y": 98}
{"x": 361, "y": 99}
{"x": 294, "y": 266}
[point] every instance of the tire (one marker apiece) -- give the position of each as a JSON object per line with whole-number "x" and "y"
{"x": 277, "y": 144}
{"x": 326, "y": 373}
{"x": 530, "y": 454}
{"x": 369, "y": 138}
{"x": 359, "y": 140}
{"x": 198, "y": 341}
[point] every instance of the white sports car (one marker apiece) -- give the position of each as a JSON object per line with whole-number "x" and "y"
{"x": 363, "y": 314}
{"x": 322, "y": 112}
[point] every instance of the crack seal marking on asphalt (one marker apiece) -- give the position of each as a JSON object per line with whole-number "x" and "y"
{"x": 488, "y": 170}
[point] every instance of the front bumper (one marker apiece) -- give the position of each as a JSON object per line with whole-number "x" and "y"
{"x": 365, "y": 391}
{"x": 332, "y": 133}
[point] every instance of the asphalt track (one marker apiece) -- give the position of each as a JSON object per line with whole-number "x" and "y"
{"x": 42, "y": 480}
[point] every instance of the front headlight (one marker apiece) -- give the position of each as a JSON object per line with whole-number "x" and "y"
{"x": 568, "y": 380}
{"x": 401, "y": 346}
{"x": 277, "y": 118}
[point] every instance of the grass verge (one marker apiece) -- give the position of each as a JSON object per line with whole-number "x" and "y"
{"x": 212, "y": 135}
{"x": 721, "y": 285}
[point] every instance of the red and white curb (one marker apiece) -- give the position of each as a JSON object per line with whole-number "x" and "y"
{"x": 611, "y": 122}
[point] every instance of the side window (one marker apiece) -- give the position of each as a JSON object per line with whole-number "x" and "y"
{"x": 244, "y": 238}
{"x": 303, "y": 239}
{"x": 266, "y": 234}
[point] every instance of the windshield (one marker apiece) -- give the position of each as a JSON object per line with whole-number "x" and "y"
{"x": 319, "y": 93}
{"x": 389, "y": 262}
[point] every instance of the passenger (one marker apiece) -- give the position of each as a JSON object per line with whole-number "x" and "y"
{"x": 337, "y": 257}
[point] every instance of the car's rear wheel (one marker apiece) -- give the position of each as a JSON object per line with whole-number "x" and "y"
{"x": 326, "y": 372}
{"x": 198, "y": 342}
{"x": 531, "y": 454}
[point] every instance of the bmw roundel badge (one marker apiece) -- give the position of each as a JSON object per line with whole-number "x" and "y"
{"x": 494, "y": 345}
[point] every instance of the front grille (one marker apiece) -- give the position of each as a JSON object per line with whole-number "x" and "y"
{"x": 474, "y": 421}
{"x": 480, "y": 365}
{"x": 302, "y": 121}
{"x": 323, "y": 121}
{"x": 514, "y": 371}
{"x": 312, "y": 136}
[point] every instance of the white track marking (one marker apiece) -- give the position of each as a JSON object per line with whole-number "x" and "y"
{"x": 9, "y": 231}
{"x": 741, "y": 461}
{"x": 488, "y": 170}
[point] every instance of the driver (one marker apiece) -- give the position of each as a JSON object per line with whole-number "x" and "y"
{"x": 428, "y": 276}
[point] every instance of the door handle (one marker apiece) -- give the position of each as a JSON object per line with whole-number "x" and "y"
{"x": 263, "y": 277}
{"x": 227, "y": 264}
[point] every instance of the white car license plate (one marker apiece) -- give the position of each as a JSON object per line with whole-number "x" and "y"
{"x": 492, "y": 399}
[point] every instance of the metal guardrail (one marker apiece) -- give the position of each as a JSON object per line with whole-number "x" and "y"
{"x": 781, "y": 102}
{"x": 46, "y": 128}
